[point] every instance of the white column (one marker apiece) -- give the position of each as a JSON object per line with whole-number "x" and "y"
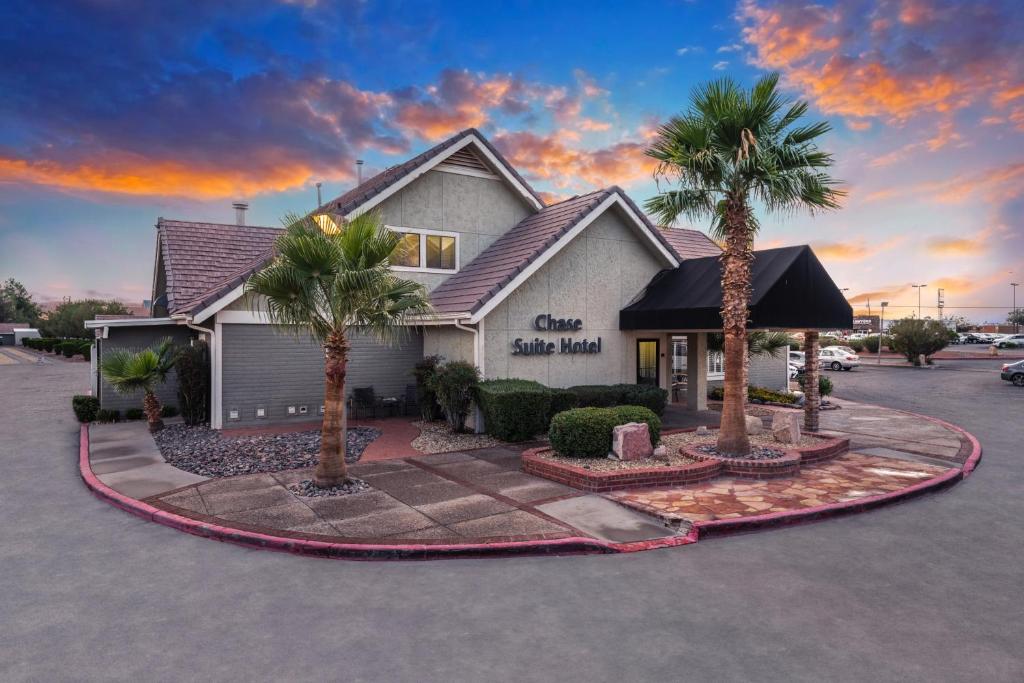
{"x": 697, "y": 371}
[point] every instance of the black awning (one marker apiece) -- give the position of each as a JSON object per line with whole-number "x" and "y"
{"x": 790, "y": 290}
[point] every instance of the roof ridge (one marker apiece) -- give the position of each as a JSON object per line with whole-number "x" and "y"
{"x": 162, "y": 221}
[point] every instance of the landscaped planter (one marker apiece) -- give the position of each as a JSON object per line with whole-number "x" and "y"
{"x": 599, "y": 482}
{"x": 826, "y": 450}
{"x": 786, "y": 466}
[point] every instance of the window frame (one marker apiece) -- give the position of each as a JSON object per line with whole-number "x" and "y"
{"x": 424, "y": 233}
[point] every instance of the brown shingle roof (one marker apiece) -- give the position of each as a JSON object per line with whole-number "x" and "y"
{"x": 370, "y": 188}
{"x": 200, "y": 257}
{"x": 470, "y": 288}
{"x": 688, "y": 243}
{"x": 9, "y": 328}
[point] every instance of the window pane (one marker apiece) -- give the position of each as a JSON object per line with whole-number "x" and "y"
{"x": 440, "y": 252}
{"x": 448, "y": 253}
{"x": 409, "y": 250}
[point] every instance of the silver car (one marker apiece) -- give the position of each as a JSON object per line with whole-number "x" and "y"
{"x": 837, "y": 359}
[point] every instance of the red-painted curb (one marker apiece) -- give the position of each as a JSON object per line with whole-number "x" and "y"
{"x": 353, "y": 551}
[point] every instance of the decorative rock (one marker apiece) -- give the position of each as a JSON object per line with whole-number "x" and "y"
{"x": 661, "y": 453}
{"x": 754, "y": 425}
{"x": 786, "y": 427}
{"x": 632, "y": 441}
{"x": 703, "y": 431}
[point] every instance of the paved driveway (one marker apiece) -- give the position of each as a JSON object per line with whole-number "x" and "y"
{"x": 926, "y": 590}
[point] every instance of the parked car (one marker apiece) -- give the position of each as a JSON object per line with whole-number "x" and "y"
{"x": 844, "y": 349}
{"x": 797, "y": 358}
{"x": 1010, "y": 341}
{"x": 837, "y": 359}
{"x": 794, "y": 370}
{"x": 1014, "y": 372}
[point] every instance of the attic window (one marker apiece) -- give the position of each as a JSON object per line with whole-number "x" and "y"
{"x": 327, "y": 223}
{"x": 427, "y": 251}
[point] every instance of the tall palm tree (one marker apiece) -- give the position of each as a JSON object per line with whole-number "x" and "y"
{"x": 129, "y": 372}
{"x": 760, "y": 343}
{"x": 325, "y": 285}
{"x": 731, "y": 149}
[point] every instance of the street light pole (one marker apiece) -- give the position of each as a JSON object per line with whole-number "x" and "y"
{"x": 881, "y": 328}
{"x": 1016, "y": 323}
{"x": 918, "y": 287}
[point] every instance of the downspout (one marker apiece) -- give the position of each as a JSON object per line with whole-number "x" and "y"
{"x": 214, "y": 385}
{"x": 478, "y": 416}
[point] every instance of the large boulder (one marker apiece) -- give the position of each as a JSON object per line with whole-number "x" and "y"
{"x": 754, "y": 425}
{"x": 632, "y": 441}
{"x": 786, "y": 427}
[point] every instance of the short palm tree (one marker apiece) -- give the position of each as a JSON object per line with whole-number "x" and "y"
{"x": 731, "y": 149}
{"x": 326, "y": 285}
{"x": 129, "y": 372}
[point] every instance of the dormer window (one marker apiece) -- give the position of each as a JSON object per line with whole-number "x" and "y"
{"x": 428, "y": 251}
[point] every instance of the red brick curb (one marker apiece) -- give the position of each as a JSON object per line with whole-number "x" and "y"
{"x": 353, "y": 551}
{"x": 787, "y": 465}
{"x": 600, "y": 482}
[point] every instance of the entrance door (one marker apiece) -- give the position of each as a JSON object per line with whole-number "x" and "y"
{"x": 647, "y": 354}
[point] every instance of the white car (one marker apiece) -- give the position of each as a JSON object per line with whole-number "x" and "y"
{"x": 1010, "y": 341}
{"x": 838, "y": 359}
{"x": 844, "y": 349}
{"x": 797, "y": 358}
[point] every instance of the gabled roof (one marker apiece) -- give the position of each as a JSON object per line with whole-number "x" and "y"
{"x": 509, "y": 256}
{"x": 9, "y": 328}
{"x": 371, "y": 188}
{"x": 689, "y": 243}
{"x": 199, "y": 257}
{"x": 789, "y": 289}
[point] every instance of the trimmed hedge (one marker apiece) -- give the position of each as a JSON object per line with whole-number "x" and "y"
{"x": 608, "y": 395}
{"x": 168, "y": 411}
{"x": 85, "y": 407}
{"x": 134, "y": 413}
{"x": 514, "y": 409}
{"x": 587, "y": 432}
{"x": 759, "y": 393}
{"x": 108, "y": 415}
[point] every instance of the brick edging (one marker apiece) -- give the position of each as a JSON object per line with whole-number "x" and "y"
{"x": 354, "y": 551}
{"x": 594, "y": 481}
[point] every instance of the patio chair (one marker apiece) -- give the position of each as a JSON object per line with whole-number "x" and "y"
{"x": 363, "y": 398}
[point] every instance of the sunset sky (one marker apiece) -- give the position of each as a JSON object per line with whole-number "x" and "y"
{"x": 114, "y": 113}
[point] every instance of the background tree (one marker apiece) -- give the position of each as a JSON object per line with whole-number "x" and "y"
{"x": 914, "y": 337}
{"x": 734, "y": 148}
{"x": 130, "y": 372}
{"x": 16, "y": 305}
{"x": 326, "y": 285}
{"x": 1016, "y": 317}
{"x": 68, "y": 319}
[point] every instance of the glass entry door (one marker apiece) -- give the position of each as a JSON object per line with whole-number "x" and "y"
{"x": 647, "y": 354}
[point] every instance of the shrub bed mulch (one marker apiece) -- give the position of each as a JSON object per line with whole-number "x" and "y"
{"x": 206, "y": 452}
{"x": 438, "y": 437}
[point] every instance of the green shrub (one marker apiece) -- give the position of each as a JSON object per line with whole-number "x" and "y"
{"x": 425, "y": 372}
{"x": 914, "y": 337}
{"x": 587, "y": 432}
{"x": 108, "y": 415}
{"x": 192, "y": 366}
{"x": 824, "y": 384}
{"x": 168, "y": 411}
{"x": 514, "y": 409}
{"x": 608, "y": 395}
{"x": 86, "y": 351}
{"x": 85, "y": 407}
{"x": 69, "y": 348}
{"x": 454, "y": 384}
{"x": 561, "y": 400}
{"x": 871, "y": 343}
{"x": 856, "y": 344}
{"x": 760, "y": 393}
{"x": 134, "y": 414}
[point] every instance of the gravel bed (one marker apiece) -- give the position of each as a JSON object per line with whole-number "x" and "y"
{"x": 308, "y": 489}
{"x": 756, "y": 453}
{"x": 676, "y": 441}
{"x": 438, "y": 437}
{"x": 206, "y": 452}
{"x": 610, "y": 465}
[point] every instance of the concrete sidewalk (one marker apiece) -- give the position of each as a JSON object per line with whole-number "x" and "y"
{"x": 125, "y": 458}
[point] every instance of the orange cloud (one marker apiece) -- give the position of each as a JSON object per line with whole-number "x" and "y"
{"x": 994, "y": 185}
{"x": 141, "y": 176}
{"x": 853, "y": 250}
{"x": 783, "y": 36}
{"x": 549, "y": 158}
{"x": 593, "y": 125}
{"x": 955, "y": 247}
{"x": 1008, "y": 94}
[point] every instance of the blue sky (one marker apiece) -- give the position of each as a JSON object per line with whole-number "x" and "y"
{"x": 118, "y": 112}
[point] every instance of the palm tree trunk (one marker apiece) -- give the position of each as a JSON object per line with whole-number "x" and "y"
{"x": 151, "y": 406}
{"x": 812, "y": 397}
{"x": 736, "y": 259}
{"x": 332, "y": 470}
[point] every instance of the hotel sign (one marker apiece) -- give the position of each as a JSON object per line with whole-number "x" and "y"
{"x": 539, "y": 346}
